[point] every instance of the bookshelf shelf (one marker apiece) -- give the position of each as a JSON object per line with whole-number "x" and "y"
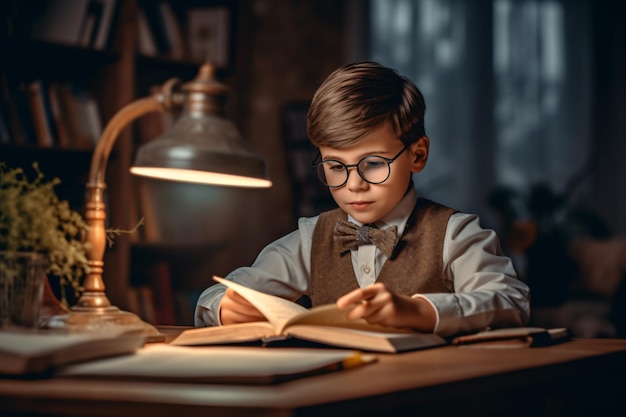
{"x": 112, "y": 75}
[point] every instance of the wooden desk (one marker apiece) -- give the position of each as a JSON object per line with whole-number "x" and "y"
{"x": 578, "y": 378}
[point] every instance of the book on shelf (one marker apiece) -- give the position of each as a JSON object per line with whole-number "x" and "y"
{"x": 85, "y": 23}
{"x": 156, "y": 24}
{"x": 218, "y": 364}
{"x": 23, "y": 122}
{"x": 81, "y": 115}
{"x": 141, "y": 302}
{"x": 146, "y": 44}
{"x": 514, "y": 337}
{"x": 40, "y": 111}
{"x": 173, "y": 32}
{"x": 58, "y": 118}
{"x": 6, "y": 135}
{"x": 288, "y": 322}
{"x": 103, "y": 35}
{"x": 26, "y": 353}
{"x": 60, "y": 21}
{"x": 90, "y": 24}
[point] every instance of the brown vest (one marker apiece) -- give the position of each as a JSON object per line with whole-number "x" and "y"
{"x": 416, "y": 265}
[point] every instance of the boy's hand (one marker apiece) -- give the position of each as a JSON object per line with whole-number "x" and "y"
{"x": 377, "y": 305}
{"x": 236, "y": 309}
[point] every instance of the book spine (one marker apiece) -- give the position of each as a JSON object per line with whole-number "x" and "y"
{"x": 107, "y": 17}
{"x": 173, "y": 31}
{"x": 62, "y": 134}
{"x": 42, "y": 128}
{"x": 157, "y": 25}
{"x": 146, "y": 44}
{"x": 60, "y": 21}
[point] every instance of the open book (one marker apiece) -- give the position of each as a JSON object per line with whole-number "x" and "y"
{"x": 326, "y": 325}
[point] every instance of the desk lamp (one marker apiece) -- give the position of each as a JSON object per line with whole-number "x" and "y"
{"x": 201, "y": 147}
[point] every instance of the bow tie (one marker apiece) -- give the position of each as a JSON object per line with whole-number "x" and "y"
{"x": 350, "y": 236}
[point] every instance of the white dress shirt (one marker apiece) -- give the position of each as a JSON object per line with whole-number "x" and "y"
{"x": 487, "y": 291}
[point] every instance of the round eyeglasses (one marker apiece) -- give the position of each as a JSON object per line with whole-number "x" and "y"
{"x": 373, "y": 169}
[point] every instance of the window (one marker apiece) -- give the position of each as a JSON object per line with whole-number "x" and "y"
{"x": 506, "y": 86}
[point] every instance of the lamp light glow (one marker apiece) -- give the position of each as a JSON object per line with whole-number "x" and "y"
{"x": 201, "y": 177}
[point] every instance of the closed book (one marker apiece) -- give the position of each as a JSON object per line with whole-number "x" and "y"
{"x": 81, "y": 116}
{"x": 62, "y": 134}
{"x": 156, "y": 23}
{"x": 24, "y": 120}
{"x": 24, "y": 353}
{"x": 103, "y": 35}
{"x": 61, "y": 21}
{"x": 40, "y": 111}
{"x": 173, "y": 31}
{"x": 146, "y": 45}
{"x": 290, "y": 324}
{"x": 515, "y": 337}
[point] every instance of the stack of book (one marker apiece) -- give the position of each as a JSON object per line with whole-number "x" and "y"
{"x": 48, "y": 115}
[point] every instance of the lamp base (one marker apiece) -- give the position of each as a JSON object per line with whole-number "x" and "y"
{"x": 84, "y": 320}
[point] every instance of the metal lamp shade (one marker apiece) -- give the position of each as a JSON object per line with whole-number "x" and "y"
{"x": 202, "y": 148}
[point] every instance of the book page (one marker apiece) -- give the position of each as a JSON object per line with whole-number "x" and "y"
{"x": 276, "y": 310}
{"x": 282, "y": 313}
{"x": 332, "y": 316}
{"x": 233, "y": 333}
{"x": 368, "y": 340}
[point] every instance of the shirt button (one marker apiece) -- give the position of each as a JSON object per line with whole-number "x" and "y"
{"x": 366, "y": 269}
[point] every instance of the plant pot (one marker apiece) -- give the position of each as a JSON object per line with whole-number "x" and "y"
{"x": 22, "y": 281}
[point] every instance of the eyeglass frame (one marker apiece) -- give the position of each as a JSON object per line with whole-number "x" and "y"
{"x": 389, "y": 161}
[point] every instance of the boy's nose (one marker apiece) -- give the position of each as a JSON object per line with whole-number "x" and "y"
{"x": 355, "y": 182}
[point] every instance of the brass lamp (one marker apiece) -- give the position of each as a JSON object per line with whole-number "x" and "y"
{"x": 201, "y": 147}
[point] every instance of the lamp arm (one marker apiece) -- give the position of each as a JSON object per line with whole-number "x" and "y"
{"x": 94, "y": 295}
{"x": 120, "y": 120}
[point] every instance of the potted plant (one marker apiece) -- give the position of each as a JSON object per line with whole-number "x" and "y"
{"x": 40, "y": 236}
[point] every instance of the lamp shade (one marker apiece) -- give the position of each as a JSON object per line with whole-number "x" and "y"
{"x": 202, "y": 146}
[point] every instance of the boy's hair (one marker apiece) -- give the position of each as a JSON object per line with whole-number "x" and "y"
{"x": 359, "y": 97}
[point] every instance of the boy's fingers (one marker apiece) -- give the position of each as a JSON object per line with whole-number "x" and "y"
{"x": 236, "y": 309}
{"x": 352, "y": 298}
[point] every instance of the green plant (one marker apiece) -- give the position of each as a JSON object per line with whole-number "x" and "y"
{"x": 32, "y": 218}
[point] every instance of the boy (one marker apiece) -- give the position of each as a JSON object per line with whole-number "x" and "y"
{"x": 436, "y": 269}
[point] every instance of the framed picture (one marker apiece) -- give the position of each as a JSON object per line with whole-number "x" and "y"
{"x": 210, "y": 35}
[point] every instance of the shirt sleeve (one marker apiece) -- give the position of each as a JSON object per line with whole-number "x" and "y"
{"x": 282, "y": 269}
{"x": 487, "y": 291}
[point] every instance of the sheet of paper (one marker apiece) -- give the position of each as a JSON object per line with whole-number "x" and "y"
{"x": 229, "y": 364}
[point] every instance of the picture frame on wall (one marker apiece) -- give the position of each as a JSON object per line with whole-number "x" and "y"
{"x": 209, "y": 34}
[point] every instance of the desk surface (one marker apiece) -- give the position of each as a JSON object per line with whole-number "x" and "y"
{"x": 573, "y": 377}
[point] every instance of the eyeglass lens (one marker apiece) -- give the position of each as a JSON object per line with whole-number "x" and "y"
{"x": 373, "y": 169}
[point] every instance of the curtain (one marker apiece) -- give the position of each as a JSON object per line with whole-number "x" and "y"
{"x": 507, "y": 85}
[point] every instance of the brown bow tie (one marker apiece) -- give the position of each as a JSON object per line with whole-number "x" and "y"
{"x": 350, "y": 236}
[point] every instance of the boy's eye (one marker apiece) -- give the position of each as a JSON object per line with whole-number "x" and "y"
{"x": 335, "y": 166}
{"x": 373, "y": 163}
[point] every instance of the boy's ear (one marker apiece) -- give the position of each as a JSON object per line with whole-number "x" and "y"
{"x": 419, "y": 153}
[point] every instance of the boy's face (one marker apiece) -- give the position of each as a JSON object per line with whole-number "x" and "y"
{"x": 367, "y": 202}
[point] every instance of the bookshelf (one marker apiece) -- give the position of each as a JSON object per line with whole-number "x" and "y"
{"x": 67, "y": 56}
